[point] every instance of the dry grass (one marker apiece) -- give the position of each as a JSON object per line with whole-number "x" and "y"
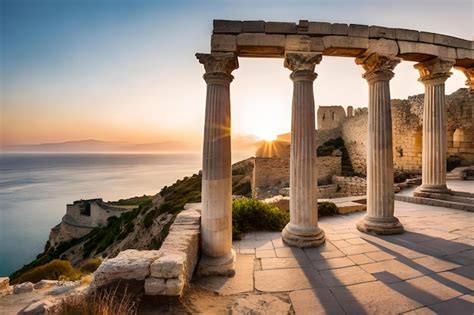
{"x": 103, "y": 302}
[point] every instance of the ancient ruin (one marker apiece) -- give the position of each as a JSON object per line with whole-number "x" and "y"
{"x": 302, "y": 45}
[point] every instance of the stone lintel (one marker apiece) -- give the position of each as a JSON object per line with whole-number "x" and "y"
{"x": 261, "y": 45}
{"x": 358, "y": 30}
{"x": 452, "y": 41}
{"x": 408, "y": 35}
{"x": 223, "y": 43}
{"x": 383, "y": 46}
{"x": 345, "y": 46}
{"x": 416, "y": 51}
{"x": 381, "y": 32}
{"x": 253, "y": 26}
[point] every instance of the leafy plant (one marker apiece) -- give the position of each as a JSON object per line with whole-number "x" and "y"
{"x": 53, "y": 270}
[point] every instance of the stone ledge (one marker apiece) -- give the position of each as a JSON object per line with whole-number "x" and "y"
{"x": 166, "y": 271}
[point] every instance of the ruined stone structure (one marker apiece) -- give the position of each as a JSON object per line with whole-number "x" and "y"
{"x": 378, "y": 50}
{"x": 81, "y": 217}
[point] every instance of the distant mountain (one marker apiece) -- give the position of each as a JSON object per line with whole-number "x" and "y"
{"x": 92, "y": 145}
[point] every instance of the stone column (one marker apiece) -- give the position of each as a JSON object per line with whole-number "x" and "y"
{"x": 433, "y": 74}
{"x": 380, "y": 191}
{"x": 218, "y": 257}
{"x": 303, "y": 230}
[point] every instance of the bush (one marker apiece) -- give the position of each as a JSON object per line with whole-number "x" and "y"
{"x": 91, "y": 265}
{"x": 54, "y": 270}
{"x": 254, "y": 215}
{"x": 326, "y": 208}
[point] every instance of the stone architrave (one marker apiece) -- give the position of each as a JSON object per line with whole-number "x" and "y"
{"x": 380, "y": 217}
{"x": 469, "y": 73}
{"x": 303, "y": 230}
{"x": 433, "y": 74}
{"x": 216, "y": 222}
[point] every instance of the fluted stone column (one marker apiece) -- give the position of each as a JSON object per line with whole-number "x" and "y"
{"x": 380, "y": 217}
{"x": 303, "y": 230}
{"x": 218, "y": 257}
{"x": 433, "y": 74}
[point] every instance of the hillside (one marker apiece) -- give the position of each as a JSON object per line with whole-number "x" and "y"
{"x": 142, "y": 228}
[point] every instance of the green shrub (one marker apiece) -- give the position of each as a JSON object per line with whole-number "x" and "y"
{"x": 91, "y": 265}
{"x": 150, "y": 217}
{"x": 54, "y": 270}
{"x": 254, "y": 215}
{"x": 134, "y": 201}
{"x": 326, "y": 208}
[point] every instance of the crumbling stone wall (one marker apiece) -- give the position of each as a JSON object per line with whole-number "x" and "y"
{"x": 354, "y": 134}
{"x": 272, "y": 174}
{"x": 350, "y": 185}
{"x": 330, "y": 117}
{"x": 460, "y": 134}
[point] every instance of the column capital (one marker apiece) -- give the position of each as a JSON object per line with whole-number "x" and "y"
{"x": 469, "y": 73}
{"x": 434, "y": 71}
{"x": 302, "y": 64}
{"x": 378, "y": 67}
{"x": 218, "y": 66}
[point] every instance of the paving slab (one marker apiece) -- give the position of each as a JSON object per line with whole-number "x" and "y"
{"x": 391, "y": 270}
{"x": 315, "y": 301}
{"x": 289, "y": 279}
{"x": 346, "y": 276}
{"x": 435, "y": 264}
{"x": 333, "y": 263}
{"x": 373, "y": 298}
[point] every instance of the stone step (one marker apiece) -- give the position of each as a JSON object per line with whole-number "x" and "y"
{"x": 436, "y": 202}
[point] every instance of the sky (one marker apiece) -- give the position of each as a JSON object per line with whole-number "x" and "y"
{"x": 125, "y": 70}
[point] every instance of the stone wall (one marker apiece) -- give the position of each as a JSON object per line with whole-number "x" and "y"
{"x": 350, "y": 186}
{"x": 272, "y": 174}
{"x": 354, "y": 134}
{"x": 460, "y": 135}
{"x": 166, "y": 271}
{"x": 330, "y": 117}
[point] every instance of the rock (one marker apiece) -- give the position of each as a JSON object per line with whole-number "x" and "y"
{"x": 64, "y": 287}
{"x": 41, "y": 306}
{"x": 43, "y": 284}
{"x": 4, "y": 286}
{"x": 170, "y": 265}
{"x": 23, "y": 287}
{"x": 130, "y": 264}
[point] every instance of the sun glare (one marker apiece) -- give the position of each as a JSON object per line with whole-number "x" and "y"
{"x": 267, "y": 135}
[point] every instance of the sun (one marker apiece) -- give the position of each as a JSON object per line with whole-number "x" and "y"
{"x": 267, "y": 135}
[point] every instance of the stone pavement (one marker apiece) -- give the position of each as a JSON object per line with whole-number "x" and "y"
{"x": 429, "y": 269}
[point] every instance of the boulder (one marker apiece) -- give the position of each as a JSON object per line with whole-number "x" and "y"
{"x": 64, "y": 287}
{"x": 4, "y": 286}
{"x": 23, "y": 287}
{"x": 41, "y": 306}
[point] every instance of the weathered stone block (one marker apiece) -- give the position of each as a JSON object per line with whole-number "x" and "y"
{"x": 426, "y": 37}
{"x": 174, "y": 287}
{"x": 316, "y": 44}
{"x": 340, "y": 29}
{"x": 383, "y": 46}
{"x": 4, "y": 286}
{"x": 280, "y": 28}
{"x": 358, "y": 30}
{"x": 319, "y": 28}
{"x": 408, "y": 35}
{"x": 227, "y": 26}
{"x": 253, "y": 26}
{"x": 221, "y": 42}
{"x": 23, "y": 287}
{"x": 452, "y": 41}
{"x": 297, "y": 43}
{"x": 418, "y": 51}
{"x": 462, "y": 53}
{"x": 303, "y": 26}
{"x": 381, "y": 32}
{"x": 170, "y": 265}
{"x": 155, "y": 286}
{"x": 258, "y": 39}
{"x": 344, "y": 45}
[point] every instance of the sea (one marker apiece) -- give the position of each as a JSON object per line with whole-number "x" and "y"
{"x": 35, "y": 188}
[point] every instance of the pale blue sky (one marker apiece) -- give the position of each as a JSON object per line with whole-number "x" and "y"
{"x": 125, "y": 70}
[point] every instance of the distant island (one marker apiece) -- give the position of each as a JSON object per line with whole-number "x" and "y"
{"x": 99, "y": 146}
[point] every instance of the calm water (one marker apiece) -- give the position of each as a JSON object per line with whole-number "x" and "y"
{"x": 35, "y": 188}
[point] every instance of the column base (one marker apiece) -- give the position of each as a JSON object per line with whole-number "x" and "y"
{"x": 383, "y": 226}
{"x": 426, "y": 190}
{"x": 302, "y": 236}
{"x": 217, "y": 266}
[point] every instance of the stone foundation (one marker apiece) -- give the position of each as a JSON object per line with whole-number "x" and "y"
{"x": 166, "y": 271}
{"x": 350, "y": 186}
